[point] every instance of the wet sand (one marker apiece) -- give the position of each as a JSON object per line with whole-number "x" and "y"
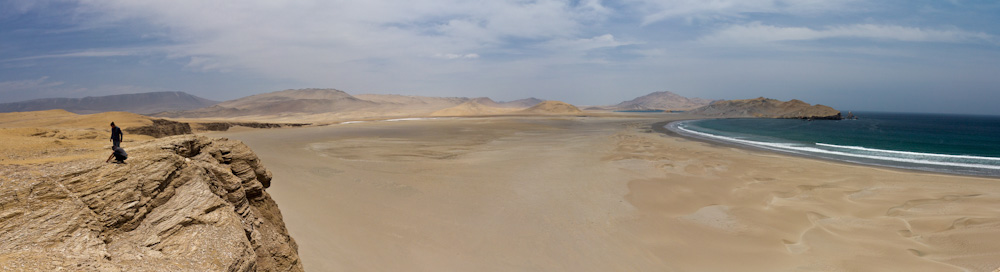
{"x": 607, "y": 194}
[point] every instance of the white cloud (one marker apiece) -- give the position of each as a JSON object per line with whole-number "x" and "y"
{"x": 602, "y": 41}
{"x": 28, "y": 85}
{"x": 757, "y": 33}
{"x": 25, "y": 89}
{"x": 83, "y": 54}
{"x": 659, "y": 10}
{"x": 17, "y": 7}
{"x": 456, "y": 56}
{"x": 512, "y": 48}
{"x": 329, "y": 42}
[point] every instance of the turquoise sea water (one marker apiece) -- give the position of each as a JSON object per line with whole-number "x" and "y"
{"x": 960, "y": 144}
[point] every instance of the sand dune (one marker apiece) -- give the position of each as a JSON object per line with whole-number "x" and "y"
{"x": 472, "y": 108}
{"x": 552, "y": 107}
{"x": 65, "y": 119}
{"x": 608, "y": 194}
{"x": 59, "y": 135}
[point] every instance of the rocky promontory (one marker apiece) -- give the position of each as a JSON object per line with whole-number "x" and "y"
{"x": 181, "y": 203}
{"x": 768, "y": 108}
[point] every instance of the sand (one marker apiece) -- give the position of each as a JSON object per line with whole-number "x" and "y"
{"x": 59, "y": 136}
{"x": 607, "y": 194}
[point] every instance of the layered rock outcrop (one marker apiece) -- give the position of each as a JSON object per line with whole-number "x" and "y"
{"x": 768, "y": 108}
{"x": 182, "y": 203}
{"x": 161, "y": 128}
{"x": 224, "y": 126}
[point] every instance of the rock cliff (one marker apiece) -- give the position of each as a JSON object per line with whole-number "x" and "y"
{"x": 182, "y": 203}
{"x": 161, "y": 128}
{"x": 768, "y": 108}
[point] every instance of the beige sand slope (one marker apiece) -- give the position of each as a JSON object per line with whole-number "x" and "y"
{"x": 607, "y": 194}
{"x": 59, "y": 135}
{"x": 472, "y": 108}
{"x": 65, "y": 119}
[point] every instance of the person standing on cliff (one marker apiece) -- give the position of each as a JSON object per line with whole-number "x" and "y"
{"x": 116, "y": 135}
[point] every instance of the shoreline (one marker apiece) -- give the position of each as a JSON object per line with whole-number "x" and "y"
{"x": 607, "y": 194}
{"x": 661, "y": 127}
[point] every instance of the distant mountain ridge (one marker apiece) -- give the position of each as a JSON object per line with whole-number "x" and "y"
{"x": 522, "y": 103}
{"x": 553, "y": 107}
{"x": 333, "y": 102}
{"x": 141, "y": 103}
{"x": 768, "y": 108}
{"x": 663, "y": 100}
{"x": 302, "y": 101}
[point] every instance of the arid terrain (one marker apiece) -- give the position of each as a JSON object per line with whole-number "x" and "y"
{"x": 458, "y": 184}
{"x": 607, "y": 194}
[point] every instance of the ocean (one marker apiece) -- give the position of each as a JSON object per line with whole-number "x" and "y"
{"x": 955, "y": 144}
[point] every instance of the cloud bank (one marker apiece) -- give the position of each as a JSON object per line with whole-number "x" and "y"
{"x": 581, "y": 51}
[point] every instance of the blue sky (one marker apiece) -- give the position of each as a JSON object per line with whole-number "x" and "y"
{"x": 910, "y": 56}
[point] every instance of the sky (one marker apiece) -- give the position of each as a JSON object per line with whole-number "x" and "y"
{"x": 891, "y": 55}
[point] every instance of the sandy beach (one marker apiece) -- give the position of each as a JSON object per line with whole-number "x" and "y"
{"x": 607, "y": 194}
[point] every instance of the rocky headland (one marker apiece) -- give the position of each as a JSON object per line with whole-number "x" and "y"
{"x": 768, "y": 108}
{"x": 181, "y": 203}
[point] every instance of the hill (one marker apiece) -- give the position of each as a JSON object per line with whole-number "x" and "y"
{"x": 411, "y": 100}
{"x": 662, "y": 101}
{"x": 62, "y": 119}
{"x": 521, "y": 103}
{"x": 768, "y": 108}
{"x": 142, "y": 103}
{"x": 302, "y": 101}
{"x": 552, "y": 107}
{"x": 472, "y": 108}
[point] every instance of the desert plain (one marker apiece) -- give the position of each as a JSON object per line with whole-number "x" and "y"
{"x": 609, "y": 192}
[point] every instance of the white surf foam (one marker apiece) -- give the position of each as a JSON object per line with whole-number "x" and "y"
{"x": 805, "y": 149}
{"x": 910, "y": 153}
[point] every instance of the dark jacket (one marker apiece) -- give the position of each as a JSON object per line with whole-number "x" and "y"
{"x": 116, "y": 134}
{"x": 120, "y": 154}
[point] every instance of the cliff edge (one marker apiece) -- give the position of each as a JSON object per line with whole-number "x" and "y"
{"x": 768, "y": 108}
{"x": 182, "y": 203}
